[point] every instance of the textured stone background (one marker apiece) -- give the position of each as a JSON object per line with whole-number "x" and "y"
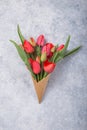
{"x": 65, "y": 102}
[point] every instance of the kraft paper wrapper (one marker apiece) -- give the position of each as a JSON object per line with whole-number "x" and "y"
{"x": 40, "y": 87}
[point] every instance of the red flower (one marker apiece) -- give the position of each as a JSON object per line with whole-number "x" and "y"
{"x": 28, "y": 47}
{"x": 47, "y": 48}
{"x": 50, "y": 55}
{"x": 60, "y": 47}
{"x": 35, "y": 66}
{"x": 40, "y": 40}
{"x": 49, "y": 66}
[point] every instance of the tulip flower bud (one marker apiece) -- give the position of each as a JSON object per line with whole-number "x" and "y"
{"x": 32, "y": 41}
{"x": 36, "y": 67}
{"x": 38, "y": 59}
{"x": 40, "y": 40}
{"x": 53, "y": 49}
{"x": 60, "y": 47}
{"x": 47, "y": 48}
{"x": 28, "y": 47}
{"x": 49, "y": 66}
{"x": 43, "y": 57}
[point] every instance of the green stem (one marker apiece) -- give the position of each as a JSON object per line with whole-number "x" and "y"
{"x": 45, "y": 74}
{"x": 41, "y": 74}
{"x": 37, "y": 77}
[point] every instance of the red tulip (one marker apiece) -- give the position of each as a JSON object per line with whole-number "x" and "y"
{"x": 49, "y": 66}
{"x": 40, "y": 40}
{"x": 35, "y": 66}
{"x": 28, "y": 47}
{"x": 50, "y": 55}
{"x": 47, "y": 48}
{"x": 60, "y": 47}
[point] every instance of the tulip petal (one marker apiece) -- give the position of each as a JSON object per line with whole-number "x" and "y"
{"x": 28, "y": 47}
{"x": 47, "y": 48}
{"x": 40, "y": 40}
{"x": 43, "y": 56}
{"x": 60, "y": 47}
{"x": 49, "y": 66}
{"x": 38, "y": 59}
{"x": 36, "y": 67}
{"x": 32, "y": 41}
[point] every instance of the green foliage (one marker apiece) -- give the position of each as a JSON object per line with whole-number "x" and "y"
{"x": 72, "y": 51}
{"x": 67, "y": 54}
{"x": 62, "y": 52}
{"x": 23, "y": 56}
{"x": 20, "y": 34}
{"x": 38, "y": 50}
{"x": 21, "y": 52}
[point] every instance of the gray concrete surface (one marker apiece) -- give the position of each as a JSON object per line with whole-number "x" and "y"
{"x": 64, "y": 106}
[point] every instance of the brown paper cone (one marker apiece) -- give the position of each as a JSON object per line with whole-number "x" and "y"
{"x": 40, "y": 87}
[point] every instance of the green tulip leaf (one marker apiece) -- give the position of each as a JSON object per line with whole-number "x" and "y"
{"x": 23, "y": 55}
{"x": 20, "y": 51}
{"x": 58, "y": 59}
{"x": 20, "y": 34}
{"x": 38, "y": 50}
{"x": 68, "y": 53}
{"x": 56, "y": 54}
{"x": 72, "y": 51}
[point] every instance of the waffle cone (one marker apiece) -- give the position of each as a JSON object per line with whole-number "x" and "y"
{"x": 40, "y": 87}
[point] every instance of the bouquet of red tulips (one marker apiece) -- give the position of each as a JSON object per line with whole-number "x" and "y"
{"x": 41, "y": 57}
